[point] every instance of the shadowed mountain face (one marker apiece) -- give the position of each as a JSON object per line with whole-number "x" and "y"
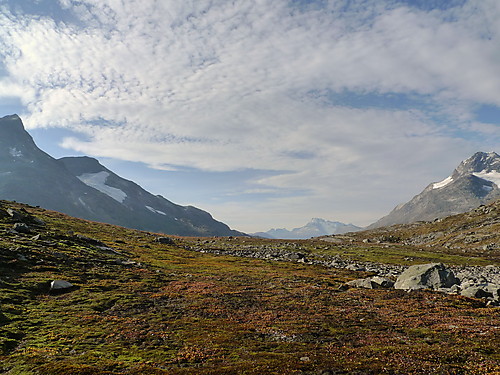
{"x": 83, "y": 188}
{"x": 474, "y": 182}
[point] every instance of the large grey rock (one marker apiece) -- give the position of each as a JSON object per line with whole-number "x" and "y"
{"x": 426, "y": 276}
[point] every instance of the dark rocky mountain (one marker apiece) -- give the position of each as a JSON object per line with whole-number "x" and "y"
{"x": 315, "y": 228}
{"x": 474, "y": 182}
{"x": 83, "y": 188}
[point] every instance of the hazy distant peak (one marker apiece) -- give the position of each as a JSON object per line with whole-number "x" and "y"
{"x": 314, "y": 228}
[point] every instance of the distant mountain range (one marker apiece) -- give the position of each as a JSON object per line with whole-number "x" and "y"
{"x": 316, "y": 227}
{"x": 82, "y": 187}
{"x": 474, "y": 182}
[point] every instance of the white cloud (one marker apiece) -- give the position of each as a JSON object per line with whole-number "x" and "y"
{"x": 226, "y": 85}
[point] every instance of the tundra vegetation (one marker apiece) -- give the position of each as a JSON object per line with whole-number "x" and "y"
{"x": 143, "y": 304}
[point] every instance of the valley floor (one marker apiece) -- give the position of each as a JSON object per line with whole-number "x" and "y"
{"x": 142, "y": 305}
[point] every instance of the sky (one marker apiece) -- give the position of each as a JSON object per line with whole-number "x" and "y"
{"x": 265, "y": 113}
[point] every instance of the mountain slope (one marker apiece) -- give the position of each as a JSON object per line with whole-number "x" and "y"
{"x": 151, "y": 212}
{"x": 474, "y": 182}
{"x": 316, "y": 227}
{"x": 83, "y": 188}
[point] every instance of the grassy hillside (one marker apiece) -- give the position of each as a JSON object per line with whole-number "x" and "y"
{"x": 143, "y": 307}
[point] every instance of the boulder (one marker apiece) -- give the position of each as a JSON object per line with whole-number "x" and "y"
{"x": 60, "y": 285}
{"x": 482, "y": 290}
{"x": 426, "y": 276}
{"x": 355, "y": 267}
{"x": 87, "y": 240}
{"x": 38, "y": 221}
{"x": 165, "y": 240}
{"x": 382, "y": 282}
{"x": 21, "y": 228}
{"x": 375, "y": 282}
{"x": 361, "y": 283}
{"x": 476, "y": 291}
{"x": 15, "y": 215}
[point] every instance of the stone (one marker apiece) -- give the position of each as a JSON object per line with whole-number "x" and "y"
{"x": 361, "y": 283}
{"x": 477, "y": 291}
{"x": 382, "y": 282}
{"x": 60, "y": 285}
{"x": 88, "y": 240}
{"x": 21, "y": 228}
{"x": 296, "y": 256}
{"x": 455, "y": 289}
{"x": 426, "y": 276}
{"x": 375, "y": 282}
{"x": 355, "y": 267}
{"x": 165, "y": 240}
{"x": 16, "y": 216}
{"x": 39, "y": 222}
{"x": 490, "y": 290}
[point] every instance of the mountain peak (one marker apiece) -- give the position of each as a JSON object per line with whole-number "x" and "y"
{"x": 15, "y": 142}
{"x": 13, "y": 117}
{"x": 318, "y": 220}
{"x": 11, "y": 124}
{"x": 479, "y": 162}
{"x": 474, "y": 182}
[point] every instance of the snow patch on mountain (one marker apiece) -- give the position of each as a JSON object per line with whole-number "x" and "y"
{"x": 155, "y": 211}
{"x": 492, "y": 176}
{"x": 446, "y": 181}
{"x": 98, "y": 181}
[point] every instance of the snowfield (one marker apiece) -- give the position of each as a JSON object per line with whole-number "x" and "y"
{"x": 443, "y": 183}
{"x": 98, "y": 181}
{"x": 492, "y": 176}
